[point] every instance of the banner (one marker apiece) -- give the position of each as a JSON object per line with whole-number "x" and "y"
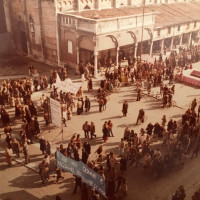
{"x": 68, "y": 86}
{"x": 56, "y": 115}
{"x": 78, "y": 168}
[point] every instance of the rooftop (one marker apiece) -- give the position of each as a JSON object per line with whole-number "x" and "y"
{"x": 112, "y": 13}
{"x": 176, "y": 13}
{"x": 167, "y": 14}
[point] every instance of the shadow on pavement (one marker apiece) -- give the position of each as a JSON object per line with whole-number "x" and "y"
{"x": 22, "y": 194}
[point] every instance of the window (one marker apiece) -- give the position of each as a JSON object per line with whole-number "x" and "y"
{"x": 169, "y": 30}
{"x": 179, "y": 27}
{"x": 70, "y": 47}
{"x": 195, "y": 24}
{"x": 158, "y": 32}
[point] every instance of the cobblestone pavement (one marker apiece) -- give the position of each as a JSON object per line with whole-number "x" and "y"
{"x": 21, "y": 182}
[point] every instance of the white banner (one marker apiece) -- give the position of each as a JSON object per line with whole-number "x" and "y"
{"x": 56, "y": 115}
{"x": 68, "y": 86}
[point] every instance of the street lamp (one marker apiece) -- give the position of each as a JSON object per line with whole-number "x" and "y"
{"x": 144, "y": 1}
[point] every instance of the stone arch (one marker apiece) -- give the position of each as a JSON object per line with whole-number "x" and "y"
{"x": 114, "y": 39}
{"x": 133, "y": 36}
{"x": 107, "y": 42}
{"x": 149, "y": 32}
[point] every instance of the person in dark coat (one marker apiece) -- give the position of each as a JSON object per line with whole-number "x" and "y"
{"x": 2, "y": 99}
{"x": 87, "y": 147}
{"x": 76, "y": 155}
{"x": 179, "y": 194}
{"x": 125, "y": 108}
{"x": 149, "y": 128}
{"x": 6, "y": 118}
{"x": 123, "y": 164}
{"x": 84, "y": 192}
{"x": 139, "y": 93}
{"x": 105, "y": 131}
{"x": 43, "y": 145}
{"x": 84, "y": 156}
{"x": 78, "y": 183}
{"x": 87, "y": 104}
{"x": 120, "y": 178}
{"x": 36, "y": 83}
{"x": 36, "y": 126}
{"x": 90, "y": 85}
{"x": 92, "y": 130}
{"x": 110, "y": 190}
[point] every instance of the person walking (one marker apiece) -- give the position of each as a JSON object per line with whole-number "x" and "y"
{"x": 16, "y": 147}
{"x": 87, "y": 104}
{"x": 110, "y": 126}
{"x": 8, "y": 153}
{"x": 92, "y": 130}
{"x": 78, "y": 183}
{"x": 105, "y": 131}
{"x": 121, "y": 147}
{"x": 79, "y": 106}
{"x": 164, "y": 120}
{"x": 101, "y": 102}
{"x": 26, "y": 153}
{"x": 139, "y": 93}
{"x": 125, "y": 108}
{"x": 86, "y": 128}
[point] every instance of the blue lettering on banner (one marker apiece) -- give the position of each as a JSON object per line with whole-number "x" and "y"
{"x": 88, "y": 176}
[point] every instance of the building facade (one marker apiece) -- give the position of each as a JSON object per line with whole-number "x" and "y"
{"x": 68, "y": 32}
{"x": 5, "y": 31}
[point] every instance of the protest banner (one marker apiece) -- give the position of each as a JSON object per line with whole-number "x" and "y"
{"x": 78, "y": 168}
{"x": 56, "y": 115}
{"x": 68, "y": 86}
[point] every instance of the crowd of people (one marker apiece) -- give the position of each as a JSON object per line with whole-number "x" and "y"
{"x": 181, "y": 143}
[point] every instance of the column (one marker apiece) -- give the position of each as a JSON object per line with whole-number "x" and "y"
{"x": 189, "y": 40}
{"x": 7, "y": 15}
{"x": 95, "y": 63}
{"x": 136, "y": 48}
{"x": 57, "y": 31}
{"x": 171, "y": 45}
{"x": 77, "y": 54}
{"x": 97, "y": 4}
{"x": 162, "y": 46}
{"x": 180, "y": 43}
{"x": 117, "y": 57}
{"x": 77, "y": 59}
{"x": 151, "y": 48}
